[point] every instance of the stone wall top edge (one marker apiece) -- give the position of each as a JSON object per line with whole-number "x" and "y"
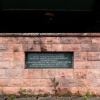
{"x": 49, "y": 34}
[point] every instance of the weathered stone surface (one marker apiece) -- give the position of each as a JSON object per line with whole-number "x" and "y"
{"x": 15, "y": 82}
{"x": 8, "y": 56}
{"x": 79, "y": 73}
{"x": 18, "y": 48}
{"x": 4, "y": 47}
{"x": 11, "y": 90}
{"x": 93, "y": 56}
{"x": 32, "y": 73}
{"x": 80, "y": 56}
{"x": 93, "y": 73}
{"x": 49, "y": 40}
{"x": 56, "y": 47}
{"x": 68, "y": 82}
{"x": 89, "y": 47}
{"x": 45, "y": 47}
{"x": 33, "y": 47}
{"x": 81, "y": 40}
{"x": 64, "y": 73}
{"x": 19, "y": 56}
{"x": 1, "y": 56}
{"x": 24, "y": 40}
{"x": 82, "y": 64}
{"x": 34, "y": 82}
{"x": 9, "y": 40}
{"x": 96, "y": 40}
{"x": 3, "y": 82}
{"x": 4, "y": 65}
{"x": 17, "y": 65}
{"x": 2, "y": 73}
{"x": 14, "y": 73}
{"x": 49, "y": 73}
{"x": 67, "y": 40}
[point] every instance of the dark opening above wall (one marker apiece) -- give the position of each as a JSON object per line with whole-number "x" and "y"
{"x": 49, "y": 15}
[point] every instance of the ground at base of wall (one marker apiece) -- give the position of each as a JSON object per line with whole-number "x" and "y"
{"x": 60, "y": 98}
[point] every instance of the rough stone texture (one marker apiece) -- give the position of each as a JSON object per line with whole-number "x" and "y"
{"x": 83, "y": 76}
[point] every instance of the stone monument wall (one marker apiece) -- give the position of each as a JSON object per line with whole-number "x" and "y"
{"x": 83, "y": 76}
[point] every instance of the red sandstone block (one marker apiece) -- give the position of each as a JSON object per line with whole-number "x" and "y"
{"x": 79, "y": 73}
{"x": 4, "y": 47}
{"x": 64, "y": 73}
{"x": 80, "y": 56}
{"x": 82, "y": 64}
{"x": 63, "y": 82}
{"x": 95, "y": 65}
{"x": 82, "y": 40}
{"x": 14, "y": 73}
{"x": 34, "y": 82}
{"x": 4, "y": 65}
{"x": 8, "y": 56}
{"x": 17, "y": 65}
{"x": 93, "y": 73}
{"x": 67, "y": 40}
{"x": 49, "y": 73}
{"x": 32, "y": 73}
{"x": 33, "y": 47}
{"x": 4, "y": 82}
{"x": 89, "y": 47}
{"x": 50, "y": 40}
{"x": 24, "y": 40}
{"x": 2, "y": 73}
{"x": 11, "y": 90}
{"x": 19, "y": 56}
{"x": 72, "y": 47}
{"x": 96, "y": 40}
{"x": 9, "y": 40}
{"x": 15, "y": 83}
{"x": 93, "y": 56}
{"x": 56, "y": 47}
{"x": 45, "y": 47}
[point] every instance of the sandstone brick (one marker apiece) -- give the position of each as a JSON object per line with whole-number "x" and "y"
{"x": 32, "y": 73}
{"x": 64, "y": 73}
{"x": 89, "y": 47}
{"x": 19, "y": 56}
{"x": 81, "y": 90}
{"x": 96, "y": 40}
{"x": 93, "y": 56}
{"x": 17, "y": 65}
{"x": 11, "y": 90}
{"x": 41, "y": 90}
{"x": 36, "y": 40}
{"x": 81, "y": 40}
{"x": 72, "y": 47}
{"x": 94, "y": 89}
{"x": 34, "y": 82}
{"x": 95, "y": 65}
{"x": 0, "y": 39}
{"x": 14, "y": 73}
{"x": 4, "y": 65}
{"x": 25, "y": 47}
{"x": 93, "y": 73}
{"x": 8, "y": 56}
{"x": 82, "y": 64}
{"x": 48, "y": 73}
{"x": 56, "y": 47}
{"x": 79, "y": 73}
{"x": 68, "y": 82}
{"x": 18, "y": 48}
{"x": 10, "y": 40}
{"x": 67, "y": 40}
{"x": 50, "y": 40}
{"x": 80, "y": 56}
{"x": 1, "y": 56}
{"x": 24, "y": 40}
{"x": 3, "y": 82}
{"x": 29, "y": 90}
{"x": 33, "y": 47}
{"x": 15, "y": 83}
{"x": 4, "y": 47}
{"x": 45, "y": 47}
{"x": 2, "y": 73}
